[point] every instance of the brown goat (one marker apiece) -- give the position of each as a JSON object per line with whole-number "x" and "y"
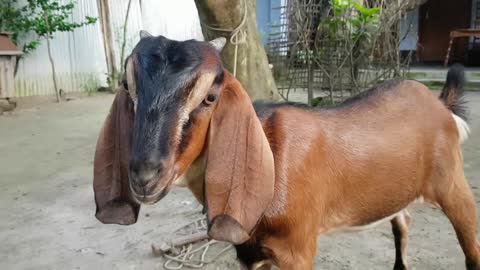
{"x": 274, "y": 176}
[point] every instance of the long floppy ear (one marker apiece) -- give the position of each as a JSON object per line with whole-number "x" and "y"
{"x": 240, "y": 171}
{"x": 115, "y": 204}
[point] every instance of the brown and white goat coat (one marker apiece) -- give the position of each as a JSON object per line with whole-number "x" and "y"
{"x": 274, "y": 177}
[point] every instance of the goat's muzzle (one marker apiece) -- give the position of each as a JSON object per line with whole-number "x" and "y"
{"x": 149, "y": 182}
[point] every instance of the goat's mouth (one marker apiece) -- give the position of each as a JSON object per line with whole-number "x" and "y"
{"x": 158, "y": 192}
{"x": 152, "y": 198}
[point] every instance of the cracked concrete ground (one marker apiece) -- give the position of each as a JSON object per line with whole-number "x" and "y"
{"x": 46, "y": 203}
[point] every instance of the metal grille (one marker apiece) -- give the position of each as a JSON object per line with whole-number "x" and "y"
{"x": 330, "y": 52}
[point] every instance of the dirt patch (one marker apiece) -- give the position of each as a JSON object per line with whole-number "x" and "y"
{"x": 47, "y": 208}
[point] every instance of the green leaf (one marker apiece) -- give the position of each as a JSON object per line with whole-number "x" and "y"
{"x": 356, "y": 22}
{"x": 91, "y": 20}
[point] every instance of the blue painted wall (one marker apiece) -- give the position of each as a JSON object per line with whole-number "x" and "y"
{"x": 267, "y": 16}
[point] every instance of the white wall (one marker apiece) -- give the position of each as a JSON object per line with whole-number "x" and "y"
{"x": 118, "y": 9}
{"x": 176, "y": 19}
{"x": 80, "y": 57}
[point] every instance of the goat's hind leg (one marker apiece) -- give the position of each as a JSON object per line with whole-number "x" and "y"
{"x": 400, "y": 226}
{"x": 458, "y": 203}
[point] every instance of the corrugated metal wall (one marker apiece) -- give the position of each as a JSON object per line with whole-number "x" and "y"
{"x": 80, "y": 57}
{"x": 176, "y": 19}
{"x": 118, "y": 10}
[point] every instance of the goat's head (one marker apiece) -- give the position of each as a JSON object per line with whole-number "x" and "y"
{"x": 187, "y": 104}
{"x": 174, "y": 86}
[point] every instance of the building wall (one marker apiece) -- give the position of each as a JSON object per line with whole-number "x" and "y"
{"x": 409, "y": 27}
{"x": 118, "y": 11}
{"x": 173, "y": 19}
{"x": 409, "y": 31}
{"x": 268, "y": 13}
{"x": 80, "y": 57}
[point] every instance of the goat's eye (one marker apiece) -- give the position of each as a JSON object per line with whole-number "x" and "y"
{"x": 210, "y": 99}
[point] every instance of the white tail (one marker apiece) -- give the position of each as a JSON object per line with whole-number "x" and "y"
{"x": 462, "y": 127}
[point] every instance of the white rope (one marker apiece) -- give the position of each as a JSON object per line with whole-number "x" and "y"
{"x": 188, "y": 256}
{"x": 234, "y": 35}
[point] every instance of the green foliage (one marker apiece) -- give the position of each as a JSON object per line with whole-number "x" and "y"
{"x": 351, "y": 19}
{"x": 37, "y": 20}
{"x": 11, "y": 18}
{"x": 91, "y": 85}
{"x": 322, "y": 102}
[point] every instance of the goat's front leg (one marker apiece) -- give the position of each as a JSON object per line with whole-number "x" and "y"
{"x": 400, "y": 225}
{"x": 288, "y": 256}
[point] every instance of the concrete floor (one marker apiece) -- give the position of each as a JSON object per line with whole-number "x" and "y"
{"x": 47, "y": 208}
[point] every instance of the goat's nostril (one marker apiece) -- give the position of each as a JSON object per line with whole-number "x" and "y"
{"x": 144, "y": 173}
{"x": 142, "y": 177}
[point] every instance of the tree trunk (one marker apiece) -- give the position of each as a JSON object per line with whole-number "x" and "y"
{"x": 50, "y": 57}
{"x": 252, "y": 68}
{"x": 104, "y": 15}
